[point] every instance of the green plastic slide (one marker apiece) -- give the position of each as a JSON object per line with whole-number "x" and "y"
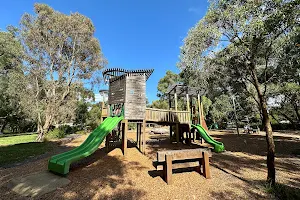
{"x": 218, "y": 146}
{"x": 61, "y": 163}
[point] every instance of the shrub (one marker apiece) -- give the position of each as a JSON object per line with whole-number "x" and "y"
{"x": 56, "y": 133}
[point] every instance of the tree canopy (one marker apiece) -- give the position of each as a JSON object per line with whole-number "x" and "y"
{"x": 240, "y": 43}
{"x": 61, "y": 54}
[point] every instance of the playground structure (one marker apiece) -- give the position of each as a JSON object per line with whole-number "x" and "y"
{"x": 127, "y": 104}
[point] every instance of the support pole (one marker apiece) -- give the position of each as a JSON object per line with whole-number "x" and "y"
{"x": 168, "y": 169}
{"x": 137, "y": 134}
{"x": 206, "y": 168}
{"x": 188, "y": 106}
{"x": 124, "y": 136}
{"x": 177, "y": 132}
{"x": 144, "y": 137}
{"x": 170, "y": 107}
{"x": 171, "y": 133}
{"x": 199, "y": 109}
{"x": 140, "y": 136}
{"x": 175, "y": 97}
{"x": 107, "y": 143}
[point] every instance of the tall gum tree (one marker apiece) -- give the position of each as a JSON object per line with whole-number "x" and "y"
{"x": 61, "y": 53}
{"x": 240, "y": 39}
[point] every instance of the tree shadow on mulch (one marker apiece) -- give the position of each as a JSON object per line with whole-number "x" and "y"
{"x": 279, "y": 191}
{"x": 257, "y": 145}
{"x": 254, "y": 147}
{"x": 90, "y": 177}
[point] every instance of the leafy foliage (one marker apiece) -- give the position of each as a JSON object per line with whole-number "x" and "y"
{"x": 60, "y": 52}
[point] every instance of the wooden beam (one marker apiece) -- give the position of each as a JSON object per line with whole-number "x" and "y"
{"x": 171, "y": 133}
{"x": 170, "y": 103}
{"x": 138, "y": 135}
{"x": 144, "y": 137}
{"x": 199, "y": 109}
{"x": 206, "y": 168}
{"x": 124, "y": 136}
{"x": 107, "y": 143}
{"x": 175, "y": 98}
{"x": 168, "y": 169}
{"x": 177, "y": 132}
{"x": 188, "y": 106}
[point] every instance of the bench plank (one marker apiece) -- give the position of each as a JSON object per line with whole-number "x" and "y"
{"x": 180, "y": 165}
{"x": 183, "y": 154}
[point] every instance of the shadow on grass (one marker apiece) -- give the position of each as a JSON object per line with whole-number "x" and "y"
{"x": 16, "y": 154}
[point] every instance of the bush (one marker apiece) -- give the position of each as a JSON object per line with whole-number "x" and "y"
{"x": 56, "y": 133}
{"x": 68, "y": 129}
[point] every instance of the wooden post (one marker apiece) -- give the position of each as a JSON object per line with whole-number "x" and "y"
{"x": 107, "y": 143}
{"x": 202, "y": 114}
{"x": 171, "y": 133}
{"x": 206, "y": 169}
{"x": 170, "y": 103}
{"x": 168, "y": 169}
{"x": 170, "y": 107}
{"x": 188, "y": 106}
{"x": 144, "y": 137}
{"x": 124, "y": 136}
{"x": 137, "y": 134}
{"x": 140, "y": 137}
{"x": 199, "y": 109}
{"x": 177, "y": 132}
{"x": 175, "y": 97}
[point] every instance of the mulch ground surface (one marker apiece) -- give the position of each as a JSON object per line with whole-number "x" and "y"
{"x": 238, "y": 173}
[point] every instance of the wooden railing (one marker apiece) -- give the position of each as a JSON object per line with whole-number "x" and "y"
{"x": 160, "y": 115}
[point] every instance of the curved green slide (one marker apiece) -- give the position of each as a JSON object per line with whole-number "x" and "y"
{"x": 218, "y": 146}
{"x": 61, "y": 163}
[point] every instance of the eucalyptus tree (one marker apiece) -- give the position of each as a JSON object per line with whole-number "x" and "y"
{"x": 10, "y": 69}
{"x": 61, "y": 53}
{"x": 239, "y": 40}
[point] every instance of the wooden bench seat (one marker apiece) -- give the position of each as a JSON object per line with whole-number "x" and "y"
{"x": 175, "y": 159}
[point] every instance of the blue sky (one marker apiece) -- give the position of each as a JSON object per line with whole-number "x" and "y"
{"x": 133, "y": 34}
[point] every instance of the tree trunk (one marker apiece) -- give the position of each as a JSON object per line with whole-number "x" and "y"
{"x": 268, "y": 129}
{"x": 43, "y": 130}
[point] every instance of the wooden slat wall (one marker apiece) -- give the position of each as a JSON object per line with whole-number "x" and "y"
{"x": 135, "y": 101}
{"x": 116, "y": 93}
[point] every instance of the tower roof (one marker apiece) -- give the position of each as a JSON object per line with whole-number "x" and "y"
{"x": 113, "y": 74}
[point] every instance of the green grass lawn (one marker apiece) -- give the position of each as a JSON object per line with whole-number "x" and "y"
{"x": 11, "y": 140}
{"x": 19, "y": 148}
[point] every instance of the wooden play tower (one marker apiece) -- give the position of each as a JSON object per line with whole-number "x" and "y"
{"x": 127, "y": 97}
